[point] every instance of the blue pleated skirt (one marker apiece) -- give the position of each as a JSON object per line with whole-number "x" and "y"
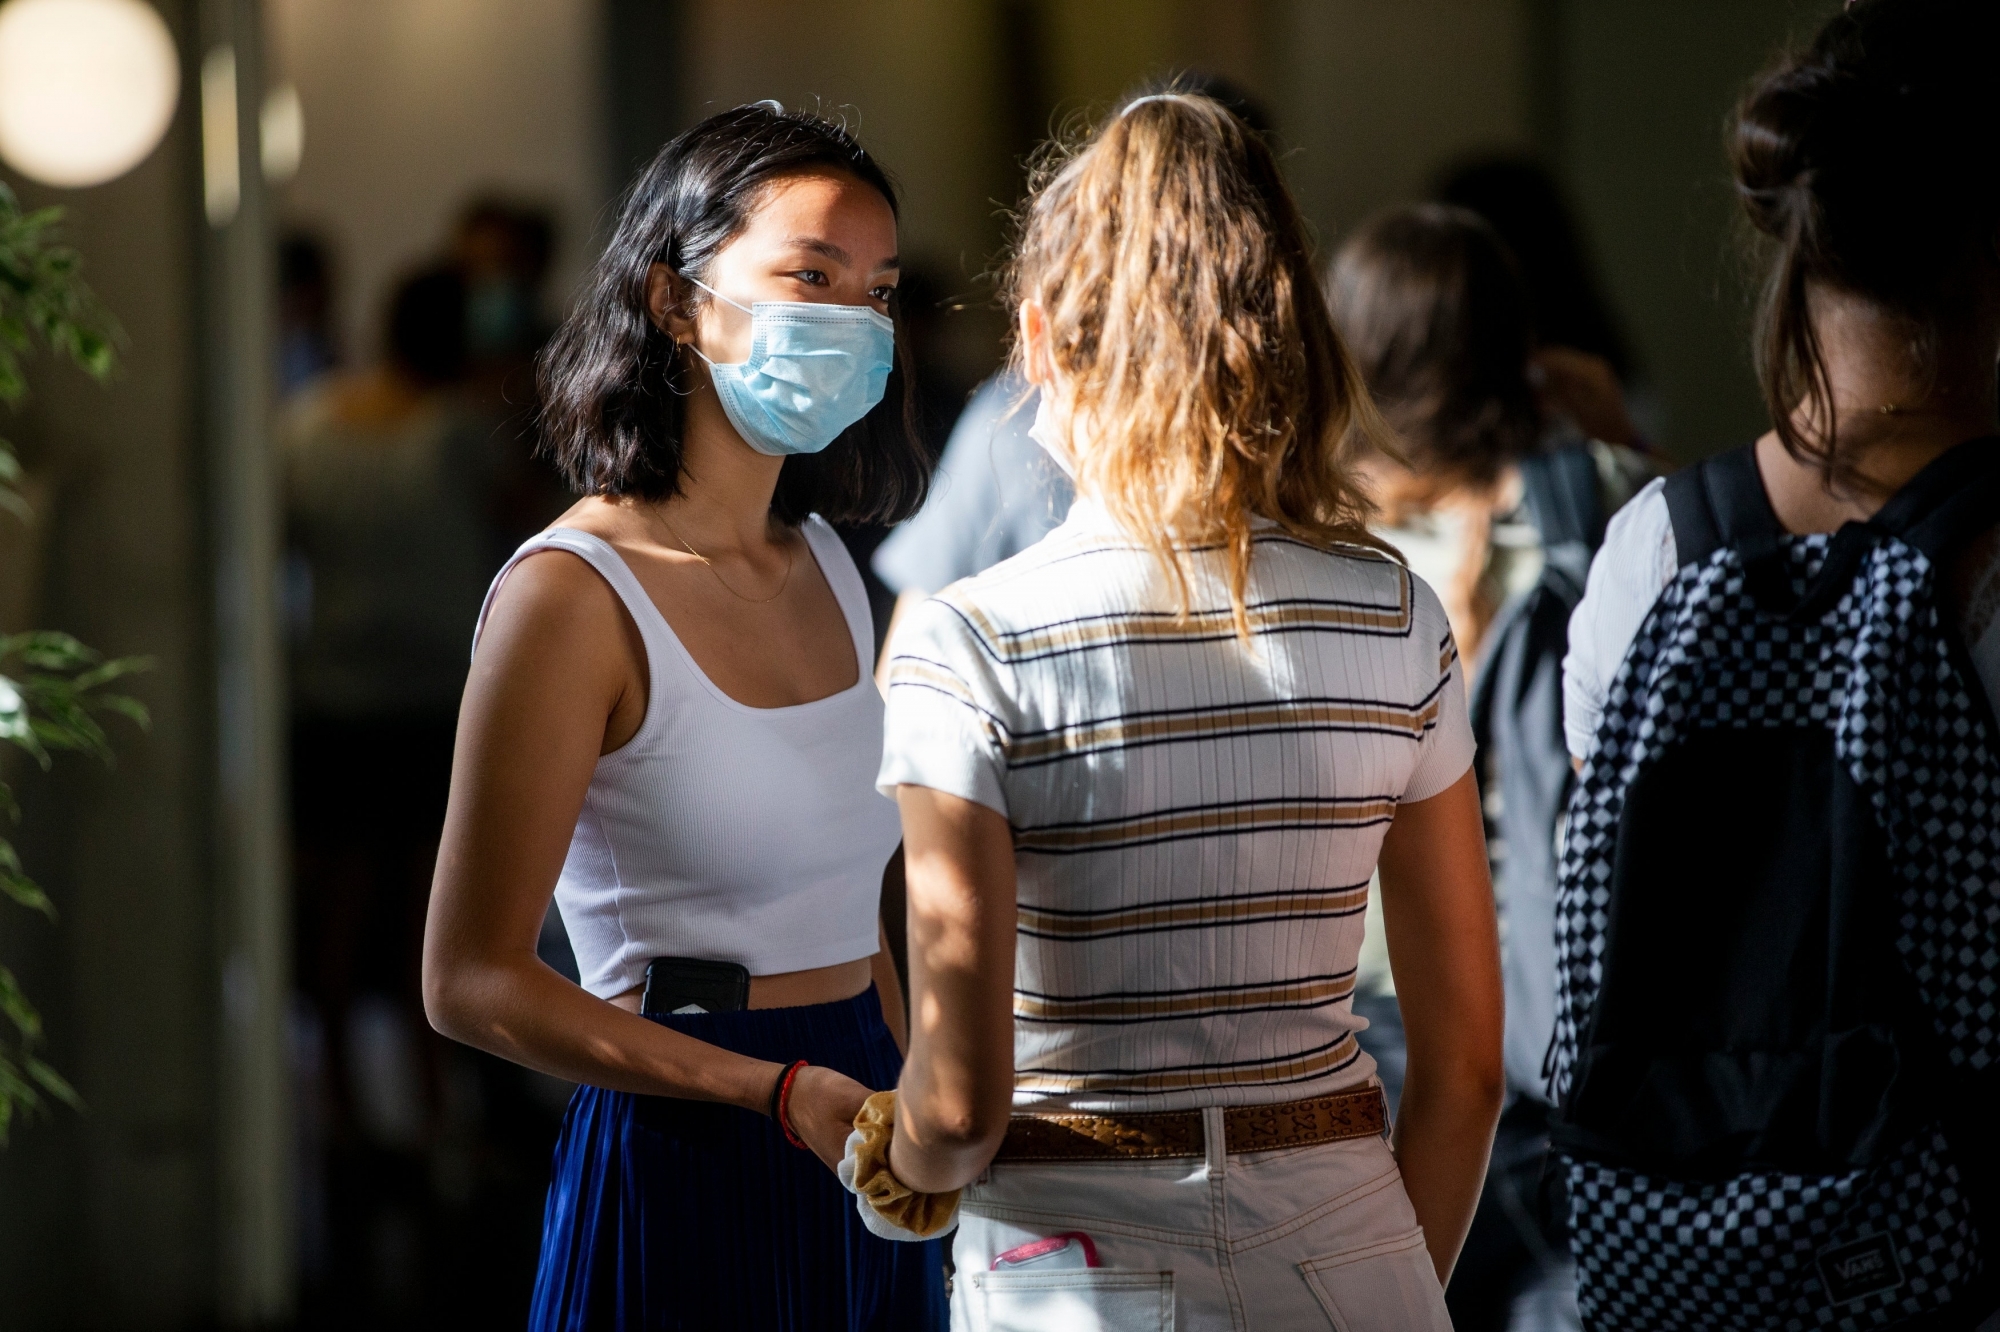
{"x": 667, "y": 1214}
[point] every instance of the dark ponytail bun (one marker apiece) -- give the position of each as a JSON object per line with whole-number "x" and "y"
{"x": 1868, "y": 160}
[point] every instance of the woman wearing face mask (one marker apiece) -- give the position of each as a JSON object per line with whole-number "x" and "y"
{"x": 671, "y": 725}
{"x": 1146, "y": 769}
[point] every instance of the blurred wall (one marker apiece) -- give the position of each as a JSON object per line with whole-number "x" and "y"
{"x": 1368, "y": 98}
{"x": 412, "y": 106}
{"x": 1644, "y": 91}
{"x": 1371, "y": 99}
{"x": 918, "y": 81}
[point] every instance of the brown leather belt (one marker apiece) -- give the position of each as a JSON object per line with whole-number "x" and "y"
{"x": 1138, "y": 1137}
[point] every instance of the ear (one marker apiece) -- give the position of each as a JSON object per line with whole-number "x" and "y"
{"x": 665, "y": 295}
{"x": 1036, "y": 360}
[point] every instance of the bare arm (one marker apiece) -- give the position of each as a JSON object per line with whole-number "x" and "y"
{"x": 551, "y": 687}
{"x": 1437, "y": 910}
{"x": 958, "y": 1085}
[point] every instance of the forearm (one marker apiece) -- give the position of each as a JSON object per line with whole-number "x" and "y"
{"x": 1443, "y": 1135}
{"x": 524, "y": 1012}
{"x": 957, "y": 1086}
{"x": 938, "y": 1146}
{"x": 1437, "y": 907}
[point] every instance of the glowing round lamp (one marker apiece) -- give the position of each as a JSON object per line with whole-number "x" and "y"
{"x": 87, "y": 87}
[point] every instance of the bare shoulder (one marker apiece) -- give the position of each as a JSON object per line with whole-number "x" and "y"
{"x": 554, "y": 617}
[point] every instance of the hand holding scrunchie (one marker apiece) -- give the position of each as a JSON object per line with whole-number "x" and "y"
{"x": 889, "y": 1208}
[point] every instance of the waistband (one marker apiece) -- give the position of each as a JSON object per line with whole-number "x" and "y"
{"x": 1360, "y": 1113}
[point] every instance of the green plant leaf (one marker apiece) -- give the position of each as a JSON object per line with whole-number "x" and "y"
{"x": 106, "y": 672}
{"x": 27, "y": 893}
{"x": 15, "y": 1007}
{"x": 52, "y": 1082}
{"x": 48, "y": 650}
{"x": 52, "y": 687}
{"x": 127, "y": 707}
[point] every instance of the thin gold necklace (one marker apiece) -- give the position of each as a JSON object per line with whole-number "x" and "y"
{"x": 755, "y": 601}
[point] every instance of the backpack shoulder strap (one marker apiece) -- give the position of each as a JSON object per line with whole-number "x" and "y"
{"x": 1560, "y": 491}
{"x": 1954, "y": 498}
{"x": 1719, "y": 502}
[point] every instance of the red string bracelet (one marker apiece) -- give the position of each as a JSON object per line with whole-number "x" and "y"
{"x": 784, "y": 1115}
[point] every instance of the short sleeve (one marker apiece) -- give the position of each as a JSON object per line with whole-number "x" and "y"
{"x": 1445, "y": 752}
{"x": 1635, "y": 563}
{"x": 944, "y": 726}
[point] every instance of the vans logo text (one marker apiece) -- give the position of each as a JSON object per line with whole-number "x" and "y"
{"x": 1861, "y": 1268}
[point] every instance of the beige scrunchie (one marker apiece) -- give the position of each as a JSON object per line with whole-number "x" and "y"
{"x": 865, "y": 1173}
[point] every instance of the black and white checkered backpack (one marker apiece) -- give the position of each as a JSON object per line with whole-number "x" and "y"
{"x": 1777, "y": 1049}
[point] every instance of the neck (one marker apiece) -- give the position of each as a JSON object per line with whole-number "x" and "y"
{"x": 726, "y": 486}
{"x": 1894, "y": 414}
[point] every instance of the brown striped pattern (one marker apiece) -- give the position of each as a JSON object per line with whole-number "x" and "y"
{"x": 1101, "y": 631}
{"x": 1266, "y": 1072}
{"x": 1309, "y": 993}
{"x": 1171, "y": 825}
{"x": 1191, "y": 812}
{"x": 1187, "y": 913}
{"x": 1223, "y": 722}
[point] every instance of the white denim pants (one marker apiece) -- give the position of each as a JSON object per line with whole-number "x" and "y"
{"x": 1307, "y": 1237}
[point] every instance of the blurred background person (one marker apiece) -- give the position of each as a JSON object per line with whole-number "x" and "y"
{"x": 306, "y": 348}
{"x": 995, "y": 494}
{"x": 1499, "y": 502}
{"x": 388, "y": 485}
{"x": 938, "y": 393}
{"x": 1580, "y": 350}
{"x": 1443, "y": 326}
{"x": 502, "y": 249}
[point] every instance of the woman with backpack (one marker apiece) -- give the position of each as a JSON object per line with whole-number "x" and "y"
{"x": 672, "y": 727}
{"x": 1146, "y": 769}
{"x": 1778, "y": 925}
{"x": 1498, "y": 500}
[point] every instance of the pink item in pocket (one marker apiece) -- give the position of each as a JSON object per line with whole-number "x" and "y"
{"x": 1070, "y": 1250}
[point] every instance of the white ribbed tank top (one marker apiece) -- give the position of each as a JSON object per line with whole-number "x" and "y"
{"x": 722, "y": 831}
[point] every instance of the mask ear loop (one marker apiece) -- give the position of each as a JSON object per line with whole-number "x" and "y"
{"x": 720, "y": 297}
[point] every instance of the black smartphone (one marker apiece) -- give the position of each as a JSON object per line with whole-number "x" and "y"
{"x": 690, "y": 985}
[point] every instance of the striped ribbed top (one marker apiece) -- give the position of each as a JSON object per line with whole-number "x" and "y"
{"x": 1195, "y": 820}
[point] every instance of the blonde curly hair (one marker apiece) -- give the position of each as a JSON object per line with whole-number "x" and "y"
{"x": 1190, "y": 345}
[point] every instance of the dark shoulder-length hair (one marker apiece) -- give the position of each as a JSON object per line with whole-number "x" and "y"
{"x": 1435, "y": 312}
{"x": 613, "y": 385}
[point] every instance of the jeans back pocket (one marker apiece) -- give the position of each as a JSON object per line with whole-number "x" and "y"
{"x": 1387, "y": 1286}
{"x": 1094, "y": 1299}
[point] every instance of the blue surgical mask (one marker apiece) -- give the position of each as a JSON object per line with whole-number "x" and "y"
{"x": 814, "y": 370}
